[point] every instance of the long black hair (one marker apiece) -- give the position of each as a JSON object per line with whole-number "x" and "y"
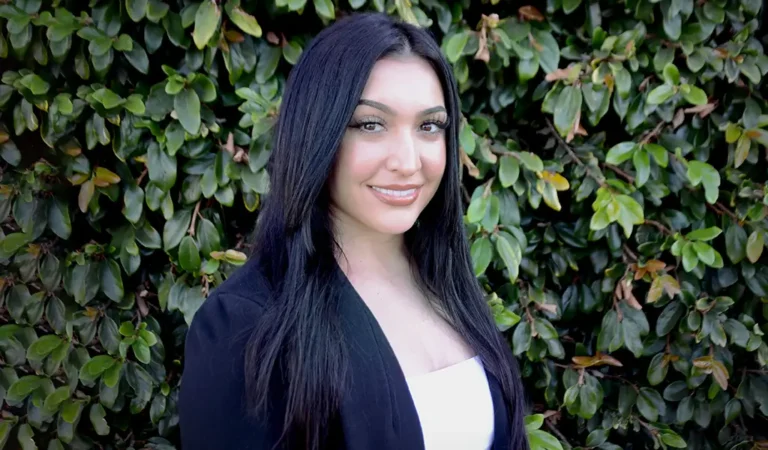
{"x": 294, "y": 244}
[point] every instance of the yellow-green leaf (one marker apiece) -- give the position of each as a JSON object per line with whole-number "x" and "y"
{"x": 206, "y": 23}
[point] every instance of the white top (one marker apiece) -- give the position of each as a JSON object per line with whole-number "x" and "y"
{"x": 455, "y": 407}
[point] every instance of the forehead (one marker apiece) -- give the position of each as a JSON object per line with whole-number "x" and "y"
{"x": 405, "y": 83}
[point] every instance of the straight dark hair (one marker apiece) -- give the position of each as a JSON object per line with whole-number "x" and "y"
{"x": 299, "y": 337}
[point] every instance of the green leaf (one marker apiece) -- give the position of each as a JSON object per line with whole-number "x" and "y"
{"x": 206, "y": 23}
{"x": 243, "y": 20}
{"x": 208, "y": 237}
{"x": 541, "y": 440}
{"x": 482, "y": 253}
{"x": 690, "y": 258}
{"x": 22, "y": 387}
{"x": 736, "y": 243}
{"x": 671, "y": 74}
{"x": 187, "y": 106}
{"x": 630, "y": 213}
{"x": 509, "y": 171}
{"x": 511, "y": 255}
{"x": 43, "y": 347}
{"x": 620, "y": 152}
{"x": 755, "y": 245}
{"x": 97, "y": 416}
{"x": 648, "y": 401}
{"x": 204, "y": 88}
{"x": 642, "y": 162}
{"x": 704, "y": 234}
{"x": 25, "y": 437}
{"x": 189, "y": 256}
{"x": 134, "y": 203}
{"x": 134, "y": 104}
{"x": 141, "y": 351}
{"x": 695, "y": 95}
{"x": 136, "y": 9}
{"x": 95, "y": 367}
{"x": 455, "y": 45}
{"x": 549, "y": 54}
{"x": 531, "y": 161}
{"x": 111, "y": 280}
{"x": 175, "y": 229}
{"x": 58, "y": 218}
{"x": 123, "y": 44}
{"x": 521, "y": 338}
{"x": 56, "y": 398}
{"x": 569, "y": 106}
{"x": 325, "y": 9}
{"x": 661, "y": 94}
{"x": 597, "y": 437}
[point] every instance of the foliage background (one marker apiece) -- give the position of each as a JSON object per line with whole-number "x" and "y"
{"x": 616, "y": 161}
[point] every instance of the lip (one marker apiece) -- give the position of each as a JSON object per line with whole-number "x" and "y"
{"x": 399, "y": 200}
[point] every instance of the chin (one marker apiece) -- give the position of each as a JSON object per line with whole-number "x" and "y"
{"x": 394, "y": 226}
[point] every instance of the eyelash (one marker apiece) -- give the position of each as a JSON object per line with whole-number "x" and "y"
{"x": 440, "y": 124}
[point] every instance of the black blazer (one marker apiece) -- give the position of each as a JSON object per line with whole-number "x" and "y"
{"x": 378, "y": 412}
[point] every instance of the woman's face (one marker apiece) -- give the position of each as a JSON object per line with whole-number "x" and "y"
{"x": 393, "y": 153}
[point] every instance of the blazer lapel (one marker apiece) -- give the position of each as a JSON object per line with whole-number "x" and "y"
{"x": 377, "y": 410}
{"x": 500, "y": 421}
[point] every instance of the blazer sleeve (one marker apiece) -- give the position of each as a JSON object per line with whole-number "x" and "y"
{"x": 212, "y": 405}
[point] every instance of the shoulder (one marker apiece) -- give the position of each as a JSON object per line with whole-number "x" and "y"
{"x": 212, "y": 393}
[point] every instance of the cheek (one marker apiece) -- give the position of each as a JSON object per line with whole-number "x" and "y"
{"x": 433, "y": 162}
{"x": 356, "y": 163}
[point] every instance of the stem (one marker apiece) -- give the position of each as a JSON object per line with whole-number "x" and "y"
{"x": 660, "y": 226}
{"x": 655, "y": 132}
{"x": 632, "y": 255}
{"x": 191, "y": 230}
{"x": 141, "y": 177}
{"x": 630, "y": 179}
{"x": 556, "y": 432}
{"x": 599, "y": 178}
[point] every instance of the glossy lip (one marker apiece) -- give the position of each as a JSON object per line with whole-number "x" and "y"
{"x": 397, "y": 201}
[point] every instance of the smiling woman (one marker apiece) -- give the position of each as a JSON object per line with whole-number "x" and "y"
{"x": 358, "y": 322}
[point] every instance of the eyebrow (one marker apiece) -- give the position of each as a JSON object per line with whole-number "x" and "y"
{"x": 388, "y": 110}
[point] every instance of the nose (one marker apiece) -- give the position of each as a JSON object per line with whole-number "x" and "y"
{"x": 404, "y": 155}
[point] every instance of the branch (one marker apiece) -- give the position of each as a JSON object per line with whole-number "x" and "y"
{"x": 556, "y": 432}
{"x": 660, "y": 226}
{"x": 655, "y": 132}
{"x": 630, "y": 179}
{"x": 191, "y": 230}
{"x": 721, "y": 209}
{"x": 141, "y": 177}
{"x": 599, "y": 178}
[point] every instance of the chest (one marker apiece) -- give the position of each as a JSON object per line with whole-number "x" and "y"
{"x": 423, "y": 341}
{"x": 384, "y": 408}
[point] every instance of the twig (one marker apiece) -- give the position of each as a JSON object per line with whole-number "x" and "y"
{"x": 660, "y": 226}
{"x": 722, "y": 209}
{"x": 556, "y": 432}
{"x": 599, "y": 178}
{"x": 630, "y": 253}
{"x": 191, "y": 230}
{"x": 655, "y": 132}
{"x": 141, "y": 177}
{"x": 625, "y": 175}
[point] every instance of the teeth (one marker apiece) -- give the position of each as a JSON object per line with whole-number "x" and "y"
{"x": 394, "y": 193}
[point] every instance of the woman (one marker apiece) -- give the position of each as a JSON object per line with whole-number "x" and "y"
{"x": 357, "y": 322}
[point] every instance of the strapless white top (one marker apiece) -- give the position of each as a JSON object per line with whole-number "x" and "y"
{"x": 455, "y": 407}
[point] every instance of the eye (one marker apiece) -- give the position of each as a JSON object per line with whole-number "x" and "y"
{"x": 433, "y": 126}
{"x": 371, "y": 127}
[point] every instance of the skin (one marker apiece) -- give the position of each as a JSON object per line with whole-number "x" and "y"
{"x": 391, "y": 140}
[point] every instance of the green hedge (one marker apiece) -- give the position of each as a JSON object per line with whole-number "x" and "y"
{"x": 615, "y": 178}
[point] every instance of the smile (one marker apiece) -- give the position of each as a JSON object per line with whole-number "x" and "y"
{"x": 396, "y": 197}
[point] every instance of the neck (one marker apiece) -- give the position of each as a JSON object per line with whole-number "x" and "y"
{"x": 367, "y": 252}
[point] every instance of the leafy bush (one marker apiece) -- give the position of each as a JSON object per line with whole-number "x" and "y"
{"x": 615, "y": 185}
